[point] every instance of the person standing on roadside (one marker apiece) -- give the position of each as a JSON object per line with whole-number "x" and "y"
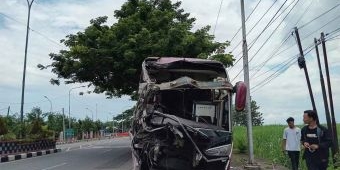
{"x": 316, "y": 140}
{"x": 291, "y": 142}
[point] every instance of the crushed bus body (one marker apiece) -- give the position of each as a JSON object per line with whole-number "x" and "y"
{"x": 183, "y": 116}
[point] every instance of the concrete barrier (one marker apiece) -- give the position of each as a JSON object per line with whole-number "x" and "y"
{"x": 27, "y": 155}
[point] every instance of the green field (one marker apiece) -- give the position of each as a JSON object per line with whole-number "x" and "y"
{"x": 267, "y": 143}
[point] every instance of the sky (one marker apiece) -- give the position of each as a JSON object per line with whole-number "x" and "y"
{"x": 286, "y": 95}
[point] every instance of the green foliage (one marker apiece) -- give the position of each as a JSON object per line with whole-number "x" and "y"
{"x": 3, "y": 126}
{"x": 8, "y": 137}
{"x": 87, "y": 125}
{"x": 109, "y": 57}
{"x": 126, "y": 116}
{"x": 46, "y": 133}
{"x": 13, "y": 123}
{"x": 97, "y": 125}
{"x": 55, "y": 122}
{"x": 267, "y": 144}
{"x": 337, "y": 159}
{"x": 240, "y": 118}
{"x": 36, "y": 128}
{"x": 36, "y": 115}
{"x": 39, "y": 125}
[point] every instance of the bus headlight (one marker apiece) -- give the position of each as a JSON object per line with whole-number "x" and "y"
{"x": 223, "y": 150}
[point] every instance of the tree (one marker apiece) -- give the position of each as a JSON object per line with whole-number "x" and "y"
{"x": 87, "y": 125}
{"x": 110, "y": 57}
{"x": 13, "y": 123}
{"x": 126, "y": 117}
{"x": 55, "y": 122}
{"x": 240, "y": 118}
{"x": 98, "y": 125}
{"x": 36, "y": 115}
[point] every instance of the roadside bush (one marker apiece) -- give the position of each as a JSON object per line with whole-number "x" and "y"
{"x": 240, "y": 139}
{"x": 36, "y": 128}
{"x": 241, "y": 146}
{"x": 3, "y": 126}
{"x": 47, "y": 134}
{"x": 8, "y": 137}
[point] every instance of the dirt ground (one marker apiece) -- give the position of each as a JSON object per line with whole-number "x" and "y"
{"x": 239, "y": 160}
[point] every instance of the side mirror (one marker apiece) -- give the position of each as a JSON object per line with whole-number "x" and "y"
{"x": 241, "y": 94}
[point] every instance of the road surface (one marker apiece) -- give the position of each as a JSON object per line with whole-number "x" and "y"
{"x": 113, "y": 154}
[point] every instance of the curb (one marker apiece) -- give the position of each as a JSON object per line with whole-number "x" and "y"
{"x": 9, "y": 158}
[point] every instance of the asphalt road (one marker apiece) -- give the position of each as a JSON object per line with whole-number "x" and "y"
{"x": 113, "y": 154}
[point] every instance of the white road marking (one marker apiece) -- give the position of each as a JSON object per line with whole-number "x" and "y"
{"x": 107, "y": 151}
{"x": 52, "y": 167}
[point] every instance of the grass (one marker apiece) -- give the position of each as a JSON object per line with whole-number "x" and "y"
{"x": 267, "y": 143}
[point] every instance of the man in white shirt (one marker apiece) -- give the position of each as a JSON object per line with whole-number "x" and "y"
{"x": 291, "y": 142}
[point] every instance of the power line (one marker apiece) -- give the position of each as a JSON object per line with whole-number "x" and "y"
{"x": 269, "y": 23}
{"x": 311, "y": 33}
{"x": 13, "y": 19}
{"x": 258, "y": 21}
{"x": 305, "y": 11}
{"x": 218, "y": 15}
{"x": 278, "y": 73}
{"x": 333, "y": 32}
{"x": 47, "y": 38}
{"x": 237, "y": 75}
{"x": 274, "y": 68}
{"x": 272, "y": 20}
{"x": 255, "y": 26}
{"x": 333, "y": 38}
{"x": 246, "y": 19}
{"x": 311, "y": 47}
{"x": 235, "y": 63}
{"x": 271, "y": 56}
{"x": 283, "y": 62}
{"x": 300, "y": 27}
{"x": 4, "y": 109}
{"x": 324, "y": 13}
{"x": 37, "y": 32}
{"x": 266, "y": 41}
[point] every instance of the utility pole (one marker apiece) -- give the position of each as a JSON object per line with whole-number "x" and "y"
{"x": 24, "y": 72}
{"x": 9, "y": 108}
{"x": 63, "y": 125}
{"x": 122, "y": 126}
{"x": 96, "y": 112}
{"x": 113, "y": 126}
{"x": 251, "y": 161}
{"x": 324, "y": 95}
{"x": 302, "y": 64}
{"x": 335, "y": 136}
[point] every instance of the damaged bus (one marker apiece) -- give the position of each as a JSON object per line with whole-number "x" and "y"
{"x": 183, "y": 118}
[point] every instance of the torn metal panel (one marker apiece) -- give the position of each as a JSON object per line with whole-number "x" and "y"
{"x": 183, "y": 116}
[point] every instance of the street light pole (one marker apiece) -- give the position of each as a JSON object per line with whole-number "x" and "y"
{"x": 24, "y": 72}
{"x": 91, "y": 112}
{"x": 50, "y": 103}
{"x": 69, "y": 105}
{"x": 63, "y": 126}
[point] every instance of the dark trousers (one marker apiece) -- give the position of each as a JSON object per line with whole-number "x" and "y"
{"x": 294, "y": 159}
{"x": 316, "y": 164}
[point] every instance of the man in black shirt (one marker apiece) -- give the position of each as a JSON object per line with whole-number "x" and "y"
{"x": 316, "y": 140}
